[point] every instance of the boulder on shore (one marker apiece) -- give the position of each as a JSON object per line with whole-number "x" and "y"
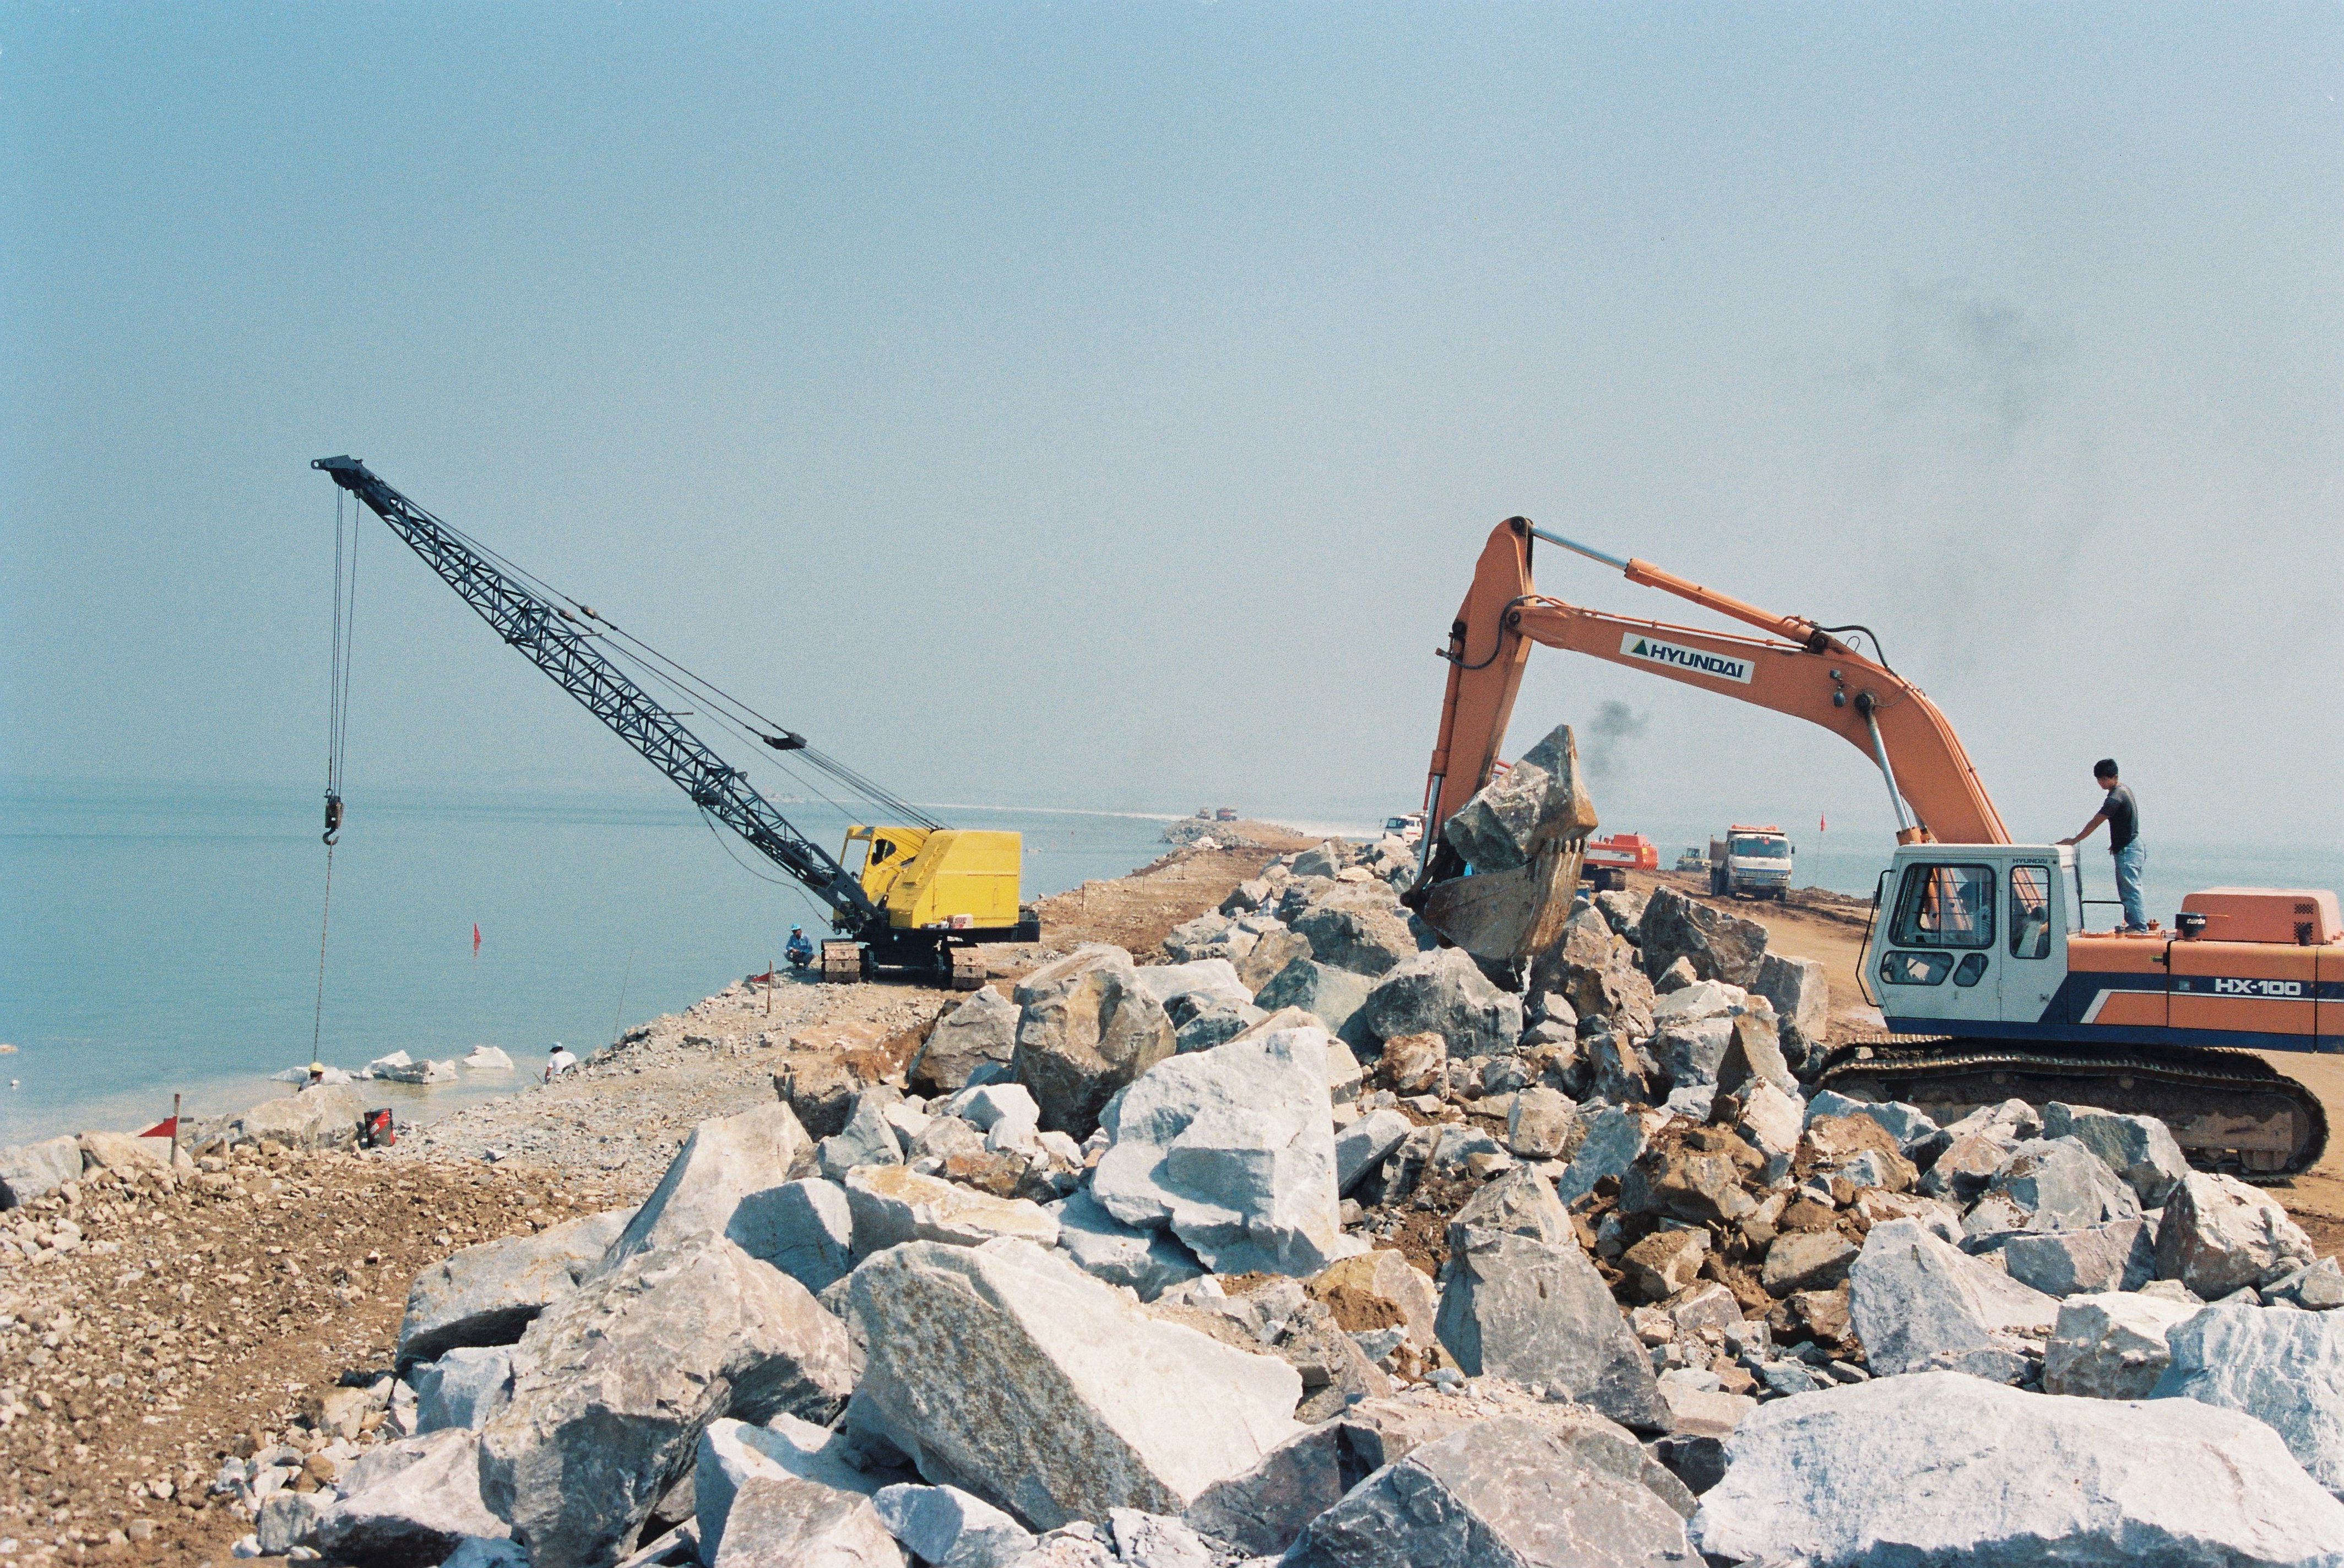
{"x": 30, "y": 1170}
{"x": 982, "y": 1029}
{"x": 1510, "y": 1490}
{"x": 1940, "y": 1468}
{"x": 1234, "y": 1150}
{"x": 409, "y": 1504}
{"x": 1719, "y": 946}
{"x": 2283, "y": 1366}
{"x": 1012, "y": 1374}
{"x": 726, "y": 1161}
{"x": 1919, "y": 1304}
{"x": 2218, "y": 1236}
{"x": 1537, "y": 1311}
{"x": 2111, "y": 1345}
{"x": 1088, "y": 1027}
{"x": 487, "y": 1294}
{"x": 614, "y": 1383}
{"x": 1445, "y": 993}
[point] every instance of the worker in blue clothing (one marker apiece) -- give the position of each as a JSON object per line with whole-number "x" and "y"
{"x": 800, "y": 950}
{"x": 2121, "y": 811}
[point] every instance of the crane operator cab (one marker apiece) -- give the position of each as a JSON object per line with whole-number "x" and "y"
{"x": 955, "y": 880}
{"x": 1989, "y": 940}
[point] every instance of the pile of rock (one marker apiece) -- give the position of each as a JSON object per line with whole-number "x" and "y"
{"x": 1322, "y": 1241}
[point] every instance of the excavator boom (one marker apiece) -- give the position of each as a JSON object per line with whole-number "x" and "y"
{"x": 1803, "y": 670}
{"x": 1988, "y": 985}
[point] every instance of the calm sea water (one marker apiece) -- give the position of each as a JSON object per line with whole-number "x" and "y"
{"x": 163, "y": 940}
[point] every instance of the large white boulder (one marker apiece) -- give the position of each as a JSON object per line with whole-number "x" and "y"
{"x": 487, "y": 1294}
{"x": 1010, "y": 1373}
{"x": 1536, "y": 1311}
{"x": 2111, "y": 1345}
{"x": 1943, "y": 1468}
{"x": 322, "y": 1117}
{"x": 733, "y": 1452}
{"x": 2139, "y": 1149}
{"x": 2218, "y": 1236}
{"x": 891, "y": 1205}
{"x": 1512, "y": 1491}
{"x": 30, "y": 1170}
{"x": 726, "y": 1161}
{"x": 413, "y": 1500}
{"x": 791, "y": 1523}
{"x": 981, "y": 1030}
{"x": 2283, "y": 1366}
{"x": 1919, "y": 1304}
{"x": 805, "y": 1229}
{"x": 1086, "y": 1029}
{"x": 463, "y": 1387}
{"x": 1201, "y": 979}
{"x": 947, "y": 1527}
{"x": 1234, "y": 1150}
{"x": 2051, "y": 1184}
{"x": 614, "y": 1383}
{"x": 1148, "y": 1261}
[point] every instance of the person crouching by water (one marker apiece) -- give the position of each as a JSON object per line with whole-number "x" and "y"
{"x": 558, "y": 1062}
{"x": 799, "y": 951}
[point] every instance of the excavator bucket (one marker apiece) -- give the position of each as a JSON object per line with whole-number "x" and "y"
{"x": 1524, "y": 836}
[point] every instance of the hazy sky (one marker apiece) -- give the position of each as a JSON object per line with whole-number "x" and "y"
{"x": 1102, "y": 405}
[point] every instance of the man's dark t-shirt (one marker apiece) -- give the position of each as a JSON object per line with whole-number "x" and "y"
{"x": 2124, "y": 817}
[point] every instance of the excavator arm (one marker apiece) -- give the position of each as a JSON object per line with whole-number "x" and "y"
{"x": 1802, "y": 668}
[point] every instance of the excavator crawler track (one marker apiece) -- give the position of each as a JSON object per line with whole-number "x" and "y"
{"x": 2227, "y": 1109}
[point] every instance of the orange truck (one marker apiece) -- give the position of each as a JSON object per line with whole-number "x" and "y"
{"x": 1607, "y": 861}
{"x": 1978, "y": 957}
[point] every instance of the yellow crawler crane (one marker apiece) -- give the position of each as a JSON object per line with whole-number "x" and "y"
{"x": 920, "y": 898}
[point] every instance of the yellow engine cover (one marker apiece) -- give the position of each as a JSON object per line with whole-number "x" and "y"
{"x": 949, "y": 877}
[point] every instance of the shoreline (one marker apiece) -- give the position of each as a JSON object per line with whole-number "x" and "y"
{"x": 247, "y": 1303}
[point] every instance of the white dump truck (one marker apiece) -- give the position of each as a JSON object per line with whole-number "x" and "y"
{"x": 1751, "y": 863}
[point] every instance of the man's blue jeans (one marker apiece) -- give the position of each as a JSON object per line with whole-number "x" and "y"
{"x": 2130, "y": 860}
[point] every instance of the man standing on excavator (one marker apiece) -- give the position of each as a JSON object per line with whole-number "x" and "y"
{"x": 2122, "y": 813}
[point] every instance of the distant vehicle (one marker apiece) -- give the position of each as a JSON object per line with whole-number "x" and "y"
{"x": 1608, "y": 860}
{"x": 1227, "y": 813}
{"x": 1751, "y": 863}
{"x": 1692, "y": 859}
{"x": 1409, "y": 829}
{"x": 1205, "y": 813}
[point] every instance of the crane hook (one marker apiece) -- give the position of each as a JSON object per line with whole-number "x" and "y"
{"x": 333, "y": 818}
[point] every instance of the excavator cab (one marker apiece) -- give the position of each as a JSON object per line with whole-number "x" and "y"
{"x": 1972, "y": 937}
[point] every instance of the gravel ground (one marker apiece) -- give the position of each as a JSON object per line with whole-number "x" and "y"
{"x": 154, "y": 1324}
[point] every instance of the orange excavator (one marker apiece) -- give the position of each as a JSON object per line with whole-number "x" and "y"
{"x": 1976, "y": 956}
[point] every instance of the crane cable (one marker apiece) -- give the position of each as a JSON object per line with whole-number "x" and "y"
{"x": 736, "y": 713}
{"x": 337, "y": 715}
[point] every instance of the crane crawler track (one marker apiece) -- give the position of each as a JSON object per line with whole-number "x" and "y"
{"x": 2227, "y": 1109}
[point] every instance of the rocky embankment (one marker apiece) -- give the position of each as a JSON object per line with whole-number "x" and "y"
{"x": 1315, "y": 1242}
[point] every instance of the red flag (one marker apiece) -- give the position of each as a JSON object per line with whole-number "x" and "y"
{"x": 1823, "y": 824}
{"x": 168, "y": 1128}
{"x": 476, "y": 935}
